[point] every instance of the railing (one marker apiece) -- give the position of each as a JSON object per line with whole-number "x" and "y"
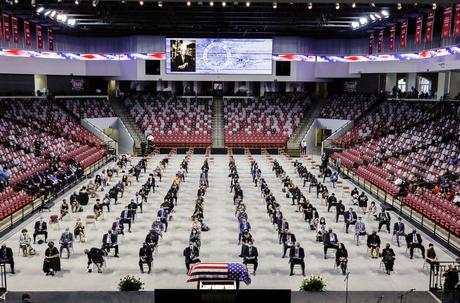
{"x": 432, "y": 228}
{"x": 109, "y": 142}
{"x": 38, "y": 204}
{"x": 438, "y": 274}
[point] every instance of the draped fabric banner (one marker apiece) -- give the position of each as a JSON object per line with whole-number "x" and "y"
{"x": 418, "y": 30}
{"x": 380, "y": 42}
{"x": 15, "y": 26}
{"x": 457, "y": 21}
{"x": 39, "y": 34}
{"x": 391, "y": 45}
{"x": 28, "y": 39}
{"x": 6, "y": 25}
{"x": 50, "y": 39}
{"x": 429, "y": 27}
{"x": 371, "y": 43}
{"x": 446, "y": 23}
{"x": 403, "y": 35}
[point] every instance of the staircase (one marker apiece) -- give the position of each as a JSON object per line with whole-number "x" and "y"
{"x": 122, "y": 113}
{"x": 310, "y": 116}
{"x": 218, "y": 123}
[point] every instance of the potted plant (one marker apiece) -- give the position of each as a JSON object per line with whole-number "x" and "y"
{"x": 313, "y": 283}
{"x": 130, "y": 283}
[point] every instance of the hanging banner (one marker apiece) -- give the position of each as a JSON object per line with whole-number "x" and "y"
{"x": 403, "y": 35}
{"x": 14, "y": 23}
{"x": 50, "y": 40}
{"x": 418, "y": 30}
{"x": 429, "y": 27}
{"x": 446, "y": 23}
{"x": 380, "y": 42}
{"x": 391, "y": 45}
{"x": 6, "y": 25}
{"x": 28, "y": 39}
{"x": 39, "y": 34}
{"x": 371, "y": 43}
{"x": 457, "y": 21}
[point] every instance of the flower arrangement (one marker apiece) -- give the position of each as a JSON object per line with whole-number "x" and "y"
{"x": 313, "y": 283}
{"x": 130, "y": 283}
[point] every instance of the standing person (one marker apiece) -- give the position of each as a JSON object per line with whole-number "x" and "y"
{"x": 250, "y": 255}
{"x": 145, "y": 257}
{"x": 143, "y": 146}
{"x": 296, "y": 256}
{"x": 191, "y": 254}
{"x": 431, "y": 257}
{"x": 6, "y": 256}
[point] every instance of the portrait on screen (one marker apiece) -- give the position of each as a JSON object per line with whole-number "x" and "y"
{"x": 183, "y": 55}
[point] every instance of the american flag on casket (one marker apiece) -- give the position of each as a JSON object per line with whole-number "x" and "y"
{"x": 218, "y": 271}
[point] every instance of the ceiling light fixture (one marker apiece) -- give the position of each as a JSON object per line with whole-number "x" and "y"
{"x": 434, "y": 6}
{"x": 385, "y": 13}
{"x": 363, "y": 20}
{"x": 40, "y": 10}
{"x": 399, "y": 6}
{"x": 211, "y": 3}
{"x": 372, "y": 4}
{"x": 76, "y": 2}
{"x": 353, "y": 5}
{"x": 95, "y": 3}
{"x": 71, "y": 22}
{"x": 337, "y": 5}
{"x": 310, "y": 5}
{"x": 275, "y": 5}
{"x": 355, "y": 24}
{"x": 160, "y": 3}
{"x": 248, "y": 4}
{"x": 372, "y": 17}
{"x": 53, "y": 13}
{"x": 141, "y": 2}
{"x": 189, "y": 3}
{"x": 224, "y": 3}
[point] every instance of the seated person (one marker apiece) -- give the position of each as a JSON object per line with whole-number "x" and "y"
{"x": 398, "y": 230}
{"x": 384, "y": 219}
{"x": 79, "y": 230}
{"x": 83, "y": 196}
{"x": 246, "y": 239}
{"x": 362, "y": 202}
{"x": 98, "y": 211}
{"x": 126, "y": 217}
{"x": 331, "y": 201}
{"x": 321, "y": 229}
{"x": 152, "y": 238}
{"x": 109, "y": 240}
{"x": 6, "y": 256}
{"x": 51, "y": 263}
{"x": 373, "y": 242}
{"x": 66, "y": 242}
{"x": 145, "y": 257}
{"x": 350, "y": 218}
{"x": 41, "y": 228}
{"x": 24, "y": 243}
{"x": 360, "y": 229}
{"x": 64, "y": 209}
{"x": 132, "y": 207}
{"x": 106, "y": 202}
{"x": 339, "y": 211}
{"x": 330, "y": 241}
{"x": 372, "y": 211}
{"x": 118, "y": 227}
{"x": 191, "y": 254}
{"x": 250, "y": 255}
{"x": 341, "y": 258}
{"x": 288, "y": 240}
{"x": 163, "y": 214}
{"x": 282, "y": 227}
{"x": 195, "y": 238}
{"x": 388, "y": 258}
{"x": 296, "y": 256}
{"x": 414, "y": 240}
{"x": 74, "y": 204}
{"x": 96, "y": 257}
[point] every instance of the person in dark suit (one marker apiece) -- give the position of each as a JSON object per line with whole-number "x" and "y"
{"x": 388, "y": 258}
{"x": 341, "y": 258}
{"x": 296, "y": 256}
{"x": 431, "y": 257}
{"x": 41, "y": 228}
{"x": 384, "y": 219}
{"x": 288, "y": 240}
{"x": 339, "y": 210}
{"x": 163, "y": 214}
{"x": 414, "y": 240}
{"x": 145, "y": 257}
{"x": 398, "y": 230}
{"x": 51, "y": 263}
{"x": 117, "y": 227}
{"x": 373, "y": 242}
{"x": 191, "y": 254}
{"x": 109, "y": 240}
{"x": 330, "y": 241}
{"x": 283, "y": 225}
{"x": 6, "y": 256}
{"x": 66, "y": 242}
{"x": 183, "y": 62}
{"x": 350, "y": 218}
{"x": 96, "y": 256}
{"x": 126, "y": 217}
{"x": 250, "y": 255}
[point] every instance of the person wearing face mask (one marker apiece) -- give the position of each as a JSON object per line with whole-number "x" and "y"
{"x": 66, "y": 242}
{"x": 145, "y": 257}
{"x": 41, "y": 228}
{"x": 296, "y": 256}
{"x": 109, "y": 240}
{"x": 191, "y": 254}
{"x": 51, "y": 263}
{"x": 250, "y": 255}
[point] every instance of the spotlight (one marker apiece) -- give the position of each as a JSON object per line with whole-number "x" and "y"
{"x": 189, "y": 3}
{"x": 40, "y": 10}
{"x": 275, "y": 5}
{"x": 53, "y": 13}
{"x": 224, "y": 4}
{"x": 434, "y": 6}
{"x": 16, "y": 1}
{"x": 337, "y": 5}
{"x": 248, "y": 4}
{"x": 59, "y": 1}
{"x": 32, "y": 3}
{"x": 211, "y": 3}
{"x": 372, "y": 4}
{"x": 363, "y": 20}
{"x": 399, "y": 6}
{"x": 355, "y": 24}
{"x": 160, "y": 3}
{"x": 76, "y": 2}
{"x": 95, "y": 3}
{"x": 353, "y": 5}
{"x": 385, "y": 13}
{"x": 141, "y": 3}
{"x": 310, "y": 5}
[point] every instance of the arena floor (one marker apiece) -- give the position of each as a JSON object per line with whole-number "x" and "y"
{"x": 219, "y": 244}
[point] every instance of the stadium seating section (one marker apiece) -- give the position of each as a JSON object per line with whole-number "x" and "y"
{"x": 410, "y": 149}
{"x": 267, "y": 121}
{"x": 347, "y": 106}
{"x": 89, "y": 107}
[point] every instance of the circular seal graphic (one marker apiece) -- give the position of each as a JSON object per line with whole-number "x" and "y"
{"x": 217, "y": 56}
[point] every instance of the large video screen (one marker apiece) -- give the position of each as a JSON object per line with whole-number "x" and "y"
{"x": 219, "y": 56}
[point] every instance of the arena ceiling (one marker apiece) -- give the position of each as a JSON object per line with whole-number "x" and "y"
{"x": 211, "y": 18}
